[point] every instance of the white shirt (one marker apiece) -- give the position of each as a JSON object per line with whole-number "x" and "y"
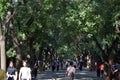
{"x": 25, "y": 73}
{"x": 70, "y": 69}
{"x": 74, "y": 63}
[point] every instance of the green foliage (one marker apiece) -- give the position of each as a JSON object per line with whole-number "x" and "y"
{"x": 58, "y": 23}
{"x": 11, "y": 52}
{"x": 3, "y": 8}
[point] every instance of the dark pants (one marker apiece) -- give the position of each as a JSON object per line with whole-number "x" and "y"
{"x": 102, "y": 73}
{"x": 98, "y": 73}
{"x": 10, "y": 78}
{"x": 57, "y": 67}
{"x": 35, "y": 72}
{"x": 53, "y": 68}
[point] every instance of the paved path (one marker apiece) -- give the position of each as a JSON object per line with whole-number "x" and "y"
{"x": 60, "y": 75}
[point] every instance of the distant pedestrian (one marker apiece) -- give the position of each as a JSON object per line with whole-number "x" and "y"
{"x": 11, "y": 72}
{"x": 66, "y": 63}
{"x": 62, "y": 64}
{"x": 35, "y": 70}
{"x": 102, "y": 69}
{"x": 25, "y": 72}
{"x": 114, "y": 71}
{"x": 57, "y": 65}
{"x": 54, "y": 65}
{"x": 75, "y": 64}
{"x": 70, "y": 72}
{"x": 98, "y": 69}
{"x": 81, "y": 64}
{"x": 41, "y": 66}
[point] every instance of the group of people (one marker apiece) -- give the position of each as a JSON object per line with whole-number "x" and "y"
{"x": 110, "y": 70}
{"x": 13, "y": 74}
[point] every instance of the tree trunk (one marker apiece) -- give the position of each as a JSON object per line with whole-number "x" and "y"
{"x": 104, "y": 55}
{"x": 3, "y": 55}
{"x": 17, "y": 46}
{"x": 3, "y": 33}
{"x": 41, "y": 54}
{"x": 2, "y": 47}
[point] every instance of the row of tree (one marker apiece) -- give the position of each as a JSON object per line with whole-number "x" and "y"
{"x": 50, "y": 28}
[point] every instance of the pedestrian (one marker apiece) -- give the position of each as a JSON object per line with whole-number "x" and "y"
{"x": 66, "y": 63}
{"x": 54, "y": 65}
{"x": 3, "y": 75}
{"x": 75, "y": 63}
{"x": 41, "y": 66}
{"x": 102, "y": 69}
{"x": 11, "y": 72}
{"x": 57, "y": 65}
{"x": 35, "y": 70}
{"x": 107, "y": 70}
{"x": 70, "y": 72}
{"x": 98, "y": 69}
{"x": 80, "y": 64}
{"x": 62, "y": 64}
{"x": 25, "y": 72}
{"x": 114, "y": 71}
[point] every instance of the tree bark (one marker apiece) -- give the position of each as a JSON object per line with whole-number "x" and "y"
{"x": 17, "y": 46}
{"x": 2, "y": 51}
{"x": 2, "y": 46}
{"x": 104, "y": 56}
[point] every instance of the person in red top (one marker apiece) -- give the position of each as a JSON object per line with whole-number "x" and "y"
{"x": 98, "y": 69}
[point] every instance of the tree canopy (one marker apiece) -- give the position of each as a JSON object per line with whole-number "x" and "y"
{"x": 66, "y": 28}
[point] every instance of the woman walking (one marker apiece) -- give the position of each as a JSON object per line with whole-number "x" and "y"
{"x": 11, "y": 72}
{"x": 25, "y": 72}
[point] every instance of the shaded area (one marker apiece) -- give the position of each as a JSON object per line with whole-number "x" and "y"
{"x": 60, "y": 75}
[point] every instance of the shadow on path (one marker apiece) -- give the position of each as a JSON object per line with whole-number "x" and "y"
{"x": 60, "y": 75}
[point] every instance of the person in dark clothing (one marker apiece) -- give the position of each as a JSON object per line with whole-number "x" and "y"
{"x": 57, "y": 65}
{"x": 113, "y": 73}
{"x": 11, "y": 72}
{"x": 35, "y": 70}
{"x": 53, "y": 65}
{"x": 80, "y": 65}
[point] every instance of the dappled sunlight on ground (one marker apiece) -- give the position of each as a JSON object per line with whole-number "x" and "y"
{"x": 60, "y": 75}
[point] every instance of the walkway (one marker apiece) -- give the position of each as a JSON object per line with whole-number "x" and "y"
{"x": 60, "y": 75}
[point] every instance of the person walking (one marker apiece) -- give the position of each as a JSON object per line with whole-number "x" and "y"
{"x": 80, "y": 65}
{"x": 54, "y": 65}
{"x": 98, "y": 69}
{"x": 75, "y": 63}
{"x": 25, "y": 72}
{"x": 11, "y": 72}
{"x": 57, "y": 65}
{"x": 102, "y": 69}
{"x": 35, "y": 70}
{"x": 114, "y": 72}
{"x": 70, "y": 72}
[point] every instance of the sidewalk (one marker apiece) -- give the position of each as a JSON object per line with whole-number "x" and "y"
{"x": 60, "y": 75}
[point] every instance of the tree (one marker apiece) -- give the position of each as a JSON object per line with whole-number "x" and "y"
{"x": 4, "y": 23}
